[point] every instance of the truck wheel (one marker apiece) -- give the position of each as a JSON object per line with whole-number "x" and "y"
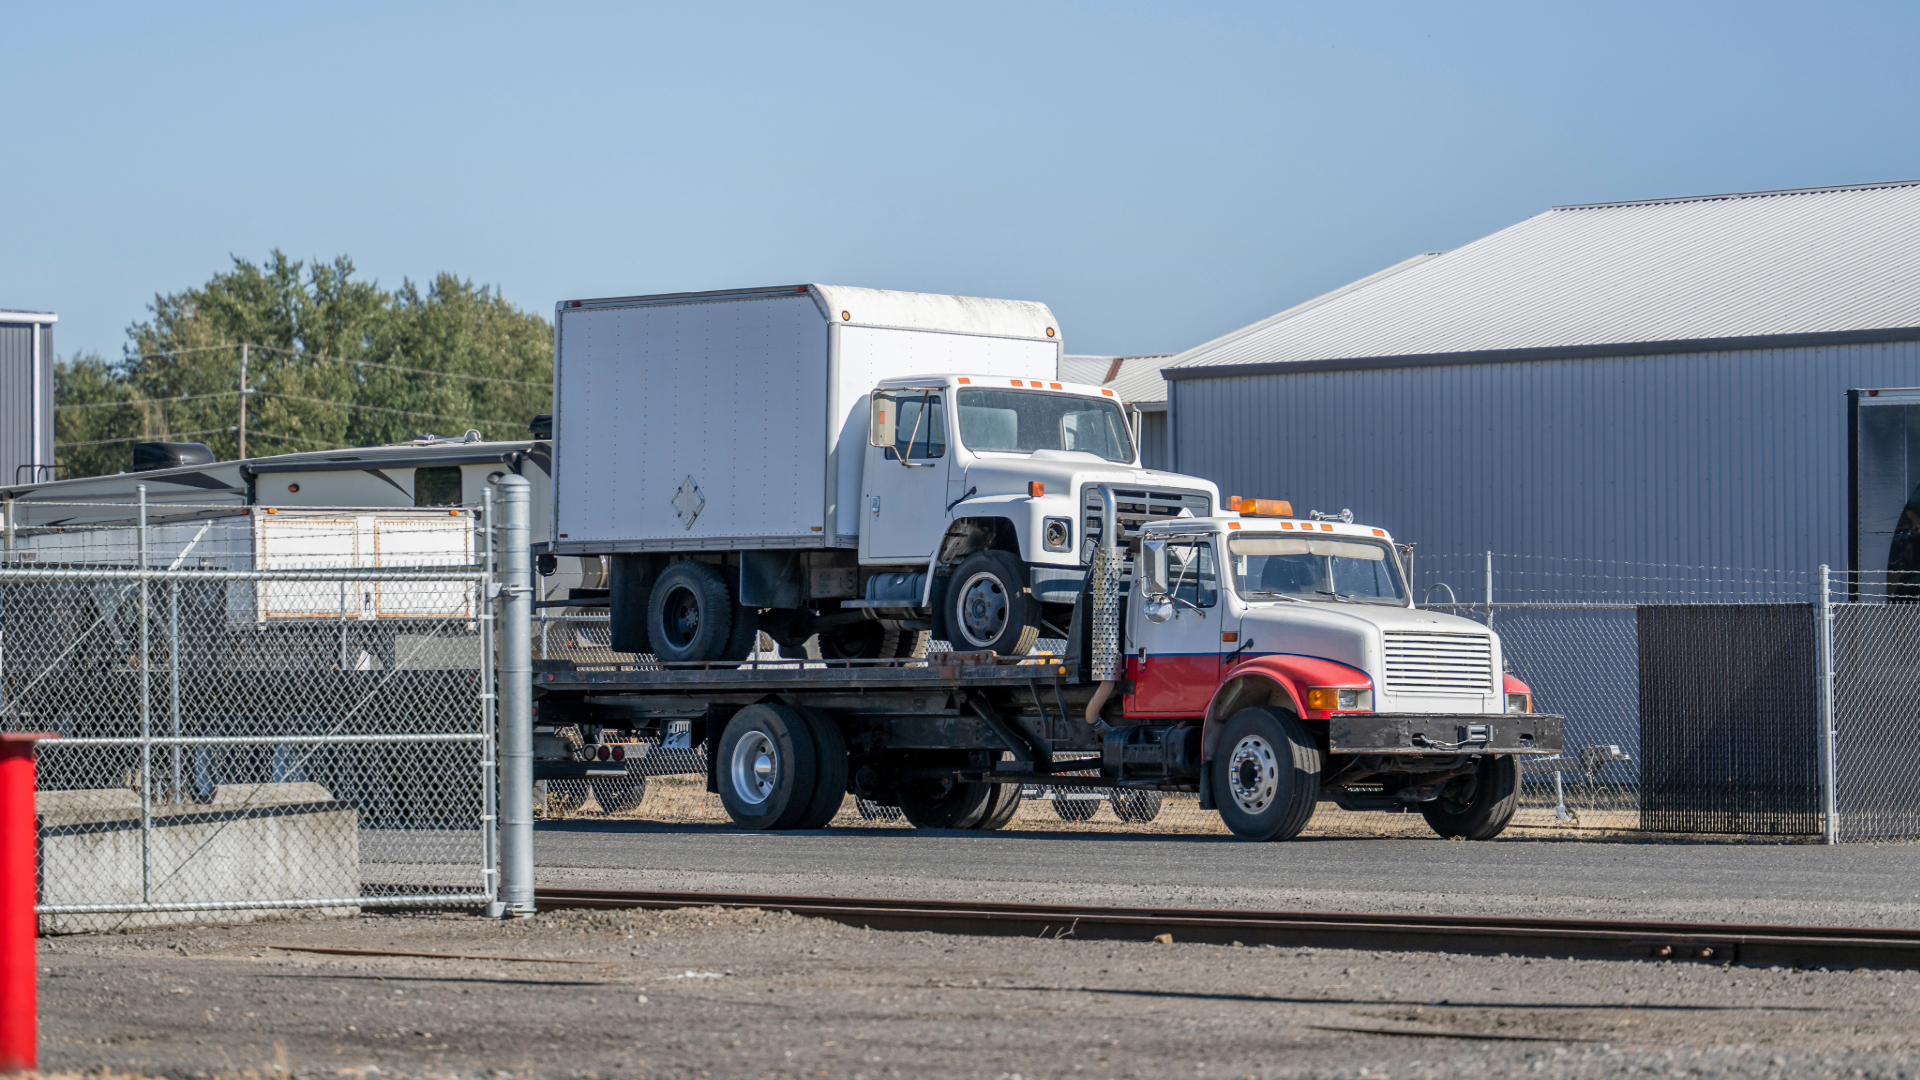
{"x": 619, "y": 795}
{"x": 1137, "y": 805}
{"x": 830, "y": 771}
{"x": 1080, "y": 809}
{"x": 1001, "y": 806}
{"x": 1266, "y": 774}
{"x": 988, "y": 606}
{"x": 1477, "y": 806}
{"x": 766, "y": 767}
{"x": 691, "y": 616}
{"x": 944, "y": 804}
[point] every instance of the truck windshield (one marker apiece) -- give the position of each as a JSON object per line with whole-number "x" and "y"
{"x": 1289, "y": 567}
{"x": 1020, "y": 422}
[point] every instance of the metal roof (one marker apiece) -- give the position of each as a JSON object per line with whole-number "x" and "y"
{"x": 883, "y": 308}
{"x": 1806, "y": 261}
{"x": 9, "y": 315}
{"x": 1134, "y": 379}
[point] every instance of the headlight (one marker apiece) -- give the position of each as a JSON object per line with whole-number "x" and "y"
{"x": 1519, "y": 703}
{"x": 1333, "y": 699}
{"x": 1057, "y": 534}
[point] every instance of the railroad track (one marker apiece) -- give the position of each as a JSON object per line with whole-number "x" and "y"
{"x": 1796, "y": 946}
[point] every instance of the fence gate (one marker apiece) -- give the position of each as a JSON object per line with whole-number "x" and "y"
{"x": 235, "y": 740}
{"x": 1729, "y": 718}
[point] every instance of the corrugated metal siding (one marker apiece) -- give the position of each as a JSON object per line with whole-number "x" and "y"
{"x": 1732, "y": 459}
{"x": 17, "y": 404}
{"x": 1153, "y": 440}
{"x": 1746, "y": 265}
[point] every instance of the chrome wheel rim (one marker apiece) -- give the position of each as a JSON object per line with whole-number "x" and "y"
{"x": 983, "y": 609}
{"x": 1253, "y": 774}
{"x": 755, "y": 768}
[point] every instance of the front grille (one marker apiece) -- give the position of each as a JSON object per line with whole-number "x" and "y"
{"x": 1439, "y": 663}
{"x": 1137, "y": 506}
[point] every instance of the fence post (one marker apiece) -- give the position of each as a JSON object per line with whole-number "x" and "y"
{"x": 19, "y": 964}
{"x": 146, "y": 714}
{"x": 515, "y": 635}
{"x": 1489, "y": 590}
{"x": 1828, "y": 803}
{"x": 173, "y": 676}
{"x": 490, "y": 716}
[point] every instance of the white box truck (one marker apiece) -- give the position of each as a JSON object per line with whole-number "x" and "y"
{"x": 859, "y": 468}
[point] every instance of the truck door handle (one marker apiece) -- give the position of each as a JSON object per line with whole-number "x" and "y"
{"x": 876, "y": 506}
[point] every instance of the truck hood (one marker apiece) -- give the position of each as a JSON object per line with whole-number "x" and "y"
{"x": 1066, "y": 473}
{"x": 1351, "y": 634}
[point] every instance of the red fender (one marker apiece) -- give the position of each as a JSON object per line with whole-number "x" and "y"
{"x": 1295, "y": 674}
{"x": 1515, "y": 686}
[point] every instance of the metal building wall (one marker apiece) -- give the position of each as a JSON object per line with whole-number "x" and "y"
{"x": 1153, "y": 439}
{"x": 1733, "y": 459}
{"x": 17, "y": 402}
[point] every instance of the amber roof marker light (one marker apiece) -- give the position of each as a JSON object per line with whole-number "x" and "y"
{"x": 1049, "y": 331}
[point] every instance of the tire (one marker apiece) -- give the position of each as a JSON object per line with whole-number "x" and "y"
{"x": 1477, "y": 806}
{"x": 944, "y": 804}
{"x": 1266, "y": 774}
{"x": 988, "y": 606}
{"x": 1137, "y": 805}
{"x": 765, "y": 766}
{"x": 619, "y": 795}
{"x": 830, "y": 771}
{"x": 1081, "y": 809}
{"x": 691, "y": 616}
{"x": 1001, "y": 806}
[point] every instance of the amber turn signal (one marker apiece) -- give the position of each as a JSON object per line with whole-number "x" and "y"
{"x": 1035, "y": 489}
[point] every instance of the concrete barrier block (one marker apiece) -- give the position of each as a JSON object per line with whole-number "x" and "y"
{"x": 251, "y": 842}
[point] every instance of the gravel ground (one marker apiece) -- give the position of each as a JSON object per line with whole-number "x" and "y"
{"x": 1849, "y": 885}
{"x": 606, "y": 995}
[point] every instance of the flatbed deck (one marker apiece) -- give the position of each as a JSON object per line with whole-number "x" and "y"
{"x": 772, "y": 675}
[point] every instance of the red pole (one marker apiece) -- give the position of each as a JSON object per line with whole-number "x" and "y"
{"x": 19, "y": 990}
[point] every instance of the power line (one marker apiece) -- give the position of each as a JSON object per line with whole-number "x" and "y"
{"x": 322, "y": 443}
{"x": 309, "y": 355}
{"x": 384, "y": 409}
{"x": 398, "y": 367}
{"x": 146, "y": 401}
{"x": 145, "y": 438}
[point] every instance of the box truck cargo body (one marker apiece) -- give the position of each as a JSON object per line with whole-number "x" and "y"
{"x": 715, "y": 421}
{"x": 867, "y": 468}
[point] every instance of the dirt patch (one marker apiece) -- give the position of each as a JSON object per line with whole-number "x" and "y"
{"x": 732, "y": 993}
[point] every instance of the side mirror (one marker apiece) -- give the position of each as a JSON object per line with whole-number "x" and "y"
{"x": 1157, "y": 609}
{"x": 886, "y": 413}
{"x": 1153, "y": 570}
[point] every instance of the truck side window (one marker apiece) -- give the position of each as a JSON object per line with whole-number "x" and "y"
{"x": 1190, "y": 568}
{"x": 438, "y": 486}
{"x": 912, "y": 422}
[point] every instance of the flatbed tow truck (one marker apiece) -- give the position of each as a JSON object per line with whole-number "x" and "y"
{"x": 1260, "y": 660}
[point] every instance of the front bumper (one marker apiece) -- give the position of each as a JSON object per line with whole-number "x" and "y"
{"x": 1427, "y": 735}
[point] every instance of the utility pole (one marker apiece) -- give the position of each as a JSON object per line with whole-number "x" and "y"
{"x": 243, "y": 401}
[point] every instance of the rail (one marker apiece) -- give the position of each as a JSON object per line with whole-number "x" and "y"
{"x": 1799, "y": 946}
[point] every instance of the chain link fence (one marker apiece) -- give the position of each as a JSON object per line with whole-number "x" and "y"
{"x": 252, "y": 713}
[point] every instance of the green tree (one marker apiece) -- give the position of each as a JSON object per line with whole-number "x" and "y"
{"x": 334, "y": 361}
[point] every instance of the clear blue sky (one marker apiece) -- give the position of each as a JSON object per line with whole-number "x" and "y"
{"x": 1159, "y": 174}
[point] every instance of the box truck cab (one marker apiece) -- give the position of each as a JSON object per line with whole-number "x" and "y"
{"x": 980, "y": 483}
{"x": 849, "y": 471}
